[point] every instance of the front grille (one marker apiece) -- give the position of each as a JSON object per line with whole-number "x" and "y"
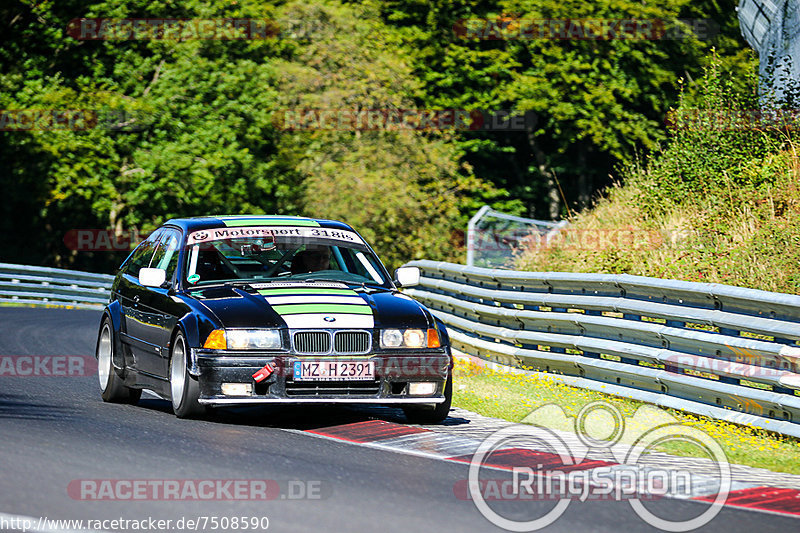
{"x": 336, "y": 342}
{"x": 332, "y": 388}
{"x": 351, "y": 342}
{"x": 312, "y": 342}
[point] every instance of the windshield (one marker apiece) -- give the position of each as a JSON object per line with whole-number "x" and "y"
{"x": 264, "y": 253}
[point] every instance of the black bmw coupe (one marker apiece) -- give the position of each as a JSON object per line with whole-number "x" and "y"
{"x": 234, "y": 310}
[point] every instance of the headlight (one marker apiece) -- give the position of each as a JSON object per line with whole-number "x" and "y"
{"x": 409, "y": 338}
{"x": 244, "y": 339}
{"x": 414, "y": 338}
{"x": 253, "y": 339}
{"x": 391, "y": 338}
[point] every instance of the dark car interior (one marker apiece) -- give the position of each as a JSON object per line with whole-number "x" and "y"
{"x": 210, "y": 266}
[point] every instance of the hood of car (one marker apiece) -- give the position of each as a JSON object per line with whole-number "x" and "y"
{"x": 311, "y": 305}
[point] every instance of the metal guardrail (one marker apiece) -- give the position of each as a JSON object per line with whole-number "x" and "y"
{"x": 728, "y": 352}
{"x": 721, "y": 351}
{"x": 33, "y": 285}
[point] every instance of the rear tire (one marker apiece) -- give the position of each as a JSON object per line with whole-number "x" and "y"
{"x": 423, "y": 414}
{"x": 112, "y": 388}
{"x": 184, "y": 388}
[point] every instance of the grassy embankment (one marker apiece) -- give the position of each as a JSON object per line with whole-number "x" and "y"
{"x": 719, "y": 202}
{"x": 513, "y": 397}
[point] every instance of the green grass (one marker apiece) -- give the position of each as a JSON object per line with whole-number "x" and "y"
{"x": 513, "y": 397}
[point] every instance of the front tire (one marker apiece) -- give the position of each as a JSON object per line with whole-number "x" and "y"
{"x": 112, "y": 388}
{"x": 184, "y": 388}
{"x": 421, "y": 414}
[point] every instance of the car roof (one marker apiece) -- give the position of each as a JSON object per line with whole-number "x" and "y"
{"x": 221, "y": 221}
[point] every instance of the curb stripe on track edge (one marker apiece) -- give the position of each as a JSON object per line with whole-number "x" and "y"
{"x": 391, "y": 435}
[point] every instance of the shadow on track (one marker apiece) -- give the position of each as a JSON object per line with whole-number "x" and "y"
{"x": 25, "y": 408}
{"x": 300, "y": 417}
{"x": 317, "y": 417}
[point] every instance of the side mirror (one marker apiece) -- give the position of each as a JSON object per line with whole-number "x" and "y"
{"x": 407, "y": 276}
{"x": 152, "y": 277}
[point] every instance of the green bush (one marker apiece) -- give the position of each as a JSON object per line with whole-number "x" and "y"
{"x": 725, "y": 200}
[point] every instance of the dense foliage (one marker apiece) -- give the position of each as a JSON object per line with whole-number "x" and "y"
{"x": 719, "y": 201}
{"x": 189, "y": 127}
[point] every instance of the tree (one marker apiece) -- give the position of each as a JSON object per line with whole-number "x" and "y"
{"x": 597, "y": 102}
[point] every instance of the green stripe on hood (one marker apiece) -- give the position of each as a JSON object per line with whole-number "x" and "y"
{"x": 302, "y": 292}
{"x": 322, "y": 308}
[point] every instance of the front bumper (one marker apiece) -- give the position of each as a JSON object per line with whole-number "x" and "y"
{"x": 393, "y": 374}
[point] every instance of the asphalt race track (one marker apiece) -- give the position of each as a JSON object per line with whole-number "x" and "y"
{"x": 56, "y": 430}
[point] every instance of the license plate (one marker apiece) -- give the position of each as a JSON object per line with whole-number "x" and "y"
{"x": 334, "y": 370}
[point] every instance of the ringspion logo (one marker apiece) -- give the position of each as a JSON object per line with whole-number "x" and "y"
{"x": 607, "y": 459}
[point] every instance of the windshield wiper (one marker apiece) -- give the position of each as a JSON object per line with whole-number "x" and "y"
{"x": 318, "y": 280}
{"x": 239, "y": 284}
{"x": 368, "y": 289}
{"x": 362, "y": 285}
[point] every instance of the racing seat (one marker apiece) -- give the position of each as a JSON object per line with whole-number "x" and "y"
{"x": 299, "y": 263}
{"x": 210, "y": 267}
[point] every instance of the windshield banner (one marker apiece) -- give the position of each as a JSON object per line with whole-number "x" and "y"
{"x": 216, "y": 234}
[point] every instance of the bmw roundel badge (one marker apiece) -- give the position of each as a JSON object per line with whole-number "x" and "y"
{"x": 329, "y": 319}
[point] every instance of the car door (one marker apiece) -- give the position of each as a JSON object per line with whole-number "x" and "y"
{"x": 158, "y": 311}
{"x": 133, "y": 329}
